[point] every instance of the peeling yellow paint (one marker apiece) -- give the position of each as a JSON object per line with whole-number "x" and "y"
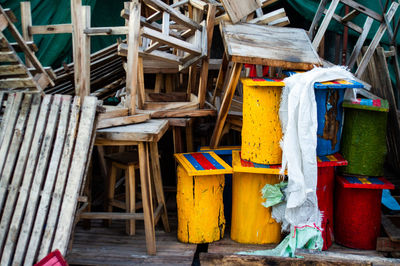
{"x": 251, "y": 222}
{"x": 200, "y": 207}
{"x": 261, "y": 130}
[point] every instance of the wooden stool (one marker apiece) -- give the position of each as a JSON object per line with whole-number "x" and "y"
{"x": 127, "y": 161}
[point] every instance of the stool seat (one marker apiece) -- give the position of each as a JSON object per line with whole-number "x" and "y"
{"x": 128, "y": 157}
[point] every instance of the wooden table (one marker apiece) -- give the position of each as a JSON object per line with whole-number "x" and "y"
{"x": 289, "y": 48}
{"x": 146, "y": 136}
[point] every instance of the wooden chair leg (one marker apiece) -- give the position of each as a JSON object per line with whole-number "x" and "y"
{"x": 155, "y": 164}
{"x": 130, "y": 198}
{"x": 147, "y": 198}
{"x": 226, "y": 103}
{"x": 111, "y": 190}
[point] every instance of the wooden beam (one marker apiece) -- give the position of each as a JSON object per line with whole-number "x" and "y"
{"x": 132, "y": 56}
{"x": 84, "y": 50}
{"x": 124, "y": 120}
{"x": 98, "y": 31}
{"x": 50, "y": 29}
{"x": 75, "y": 18}
{"x": 26, "y": 22}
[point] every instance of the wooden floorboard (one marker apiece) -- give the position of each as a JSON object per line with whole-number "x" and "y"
{"x": 111, "y": 246}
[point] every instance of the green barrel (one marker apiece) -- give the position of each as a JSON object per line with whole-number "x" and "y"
{"x": 364, "y": 138}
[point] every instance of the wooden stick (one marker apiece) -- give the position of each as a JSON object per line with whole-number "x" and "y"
{"x": 83, "y": 88}
{"x": 26, "y": 23}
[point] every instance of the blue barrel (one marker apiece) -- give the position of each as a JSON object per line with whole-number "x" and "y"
{"x": 329, "y": 97}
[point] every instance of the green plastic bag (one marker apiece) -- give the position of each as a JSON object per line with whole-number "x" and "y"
{"x": 273, "y": 194}
{"x": 306, "y": 237}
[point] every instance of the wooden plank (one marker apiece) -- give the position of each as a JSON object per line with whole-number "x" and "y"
{"x": 360, "y": 42}
{"x": 15, "y": 83}
{"x": 375, "y": 41}
{"x": 9, "y": 235}
{"x": 25, "y": 48}
{"x": 264, "y": 46}
{"x": 151, "y": 130}
{"x": 26, "y": 22}
{"x": 145, "y": 184}
{"x": 183, "y": 113}
{"x": 169, "y": 40}
{"x": 37, "y": 182}
{"x": 11, "y": 156}
{"x": 238, "y": 9}
{"x": 175, "y": 15}
{"x": 132, "y": 57}
{"x": 8, "y": 57}
{"x": 8, "y": 129}
{"x": 61, "y": 180}
{"x": 226, "y": 103}
{"x": 386, "y": 245}
{"x": 19, "y": 168}
{"x": 156, "y": 173}
{"x": 51, "y": 29}
{"x": 99, "y": 31}
{"x": 157, "y": 15}
{"x": 47, "y": 191}
{"x": 204, "y": 68}
{"x": 269, "y": 17}
{"x": 84, "y": 50}
{"x": 3, "y": 22}
{"x": 231, "y": 259}
{"x": 75, "y": 175}
{"x": 390, "y": 228}
{"x": 75, "y": 21}
{"x": 124, "y": 120}
{"x": 6, "y": 70}
{"x": 363, "y": 9}
{"x": 324, "y": 24}
{"x": 113, "y": 111}
{"x": 140, "y": 84}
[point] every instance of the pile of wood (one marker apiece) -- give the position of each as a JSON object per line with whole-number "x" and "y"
{"x": 45, "y": 148}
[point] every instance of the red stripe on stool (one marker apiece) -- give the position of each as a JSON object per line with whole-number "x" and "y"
{"x": 203, "y": 161}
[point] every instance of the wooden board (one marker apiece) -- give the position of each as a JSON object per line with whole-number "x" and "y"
{"x": 40, "y": 141}
{"x": 238, "y": 9}
{"x": 151, "y": 130}
{"x": 123, "y": 120}
{"x": 289, "y": 48}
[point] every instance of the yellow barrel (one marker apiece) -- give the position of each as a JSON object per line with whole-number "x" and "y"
{"x": 261, "y": 130}
{"x": 199, "y": 197}
{"x": 251, "y": 222}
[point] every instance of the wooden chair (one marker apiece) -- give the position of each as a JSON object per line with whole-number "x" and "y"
{"x": 346, "y": 21}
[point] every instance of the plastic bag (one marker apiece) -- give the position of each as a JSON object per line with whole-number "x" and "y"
{"x": 273, "y": 194}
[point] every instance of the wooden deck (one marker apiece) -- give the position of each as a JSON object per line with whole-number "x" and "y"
{"x": 111, "y": 246}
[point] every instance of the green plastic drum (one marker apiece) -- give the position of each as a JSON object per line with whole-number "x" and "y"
{"x": 364, "y": 138}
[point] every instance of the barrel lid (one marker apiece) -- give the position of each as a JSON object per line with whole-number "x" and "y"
{"x": 203, "y": 163}
{"x": 336, "y": 84}
{"x": 262, "y": 82}
{"x": 364, "y": 182}
{"x": 222, "y": 150}
{"x": 244, "y": 166}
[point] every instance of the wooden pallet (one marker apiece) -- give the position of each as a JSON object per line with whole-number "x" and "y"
{"x": 44, "y": 145}
{"x": 14, "y": 74}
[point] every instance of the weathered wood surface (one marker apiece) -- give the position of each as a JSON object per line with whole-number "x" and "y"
{"x": 123, "y": 120}
{"x": 238, "y": 9}
{"x": 38, "y": 144}
{"x": 288, "y": 48}
{"x": 111, "y": 246}
{"x": 151, "y": 130}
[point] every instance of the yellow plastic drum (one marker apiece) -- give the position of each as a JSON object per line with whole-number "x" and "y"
{"x": 261, "y": 130}
{"x": 199, "y": 197}
{"x": 251, "y": 222}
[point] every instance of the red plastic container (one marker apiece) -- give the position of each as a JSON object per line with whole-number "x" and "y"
{"x": 358, "y": 210}
{"x": 325, "y": 191}
{"x": 53, "y": 259}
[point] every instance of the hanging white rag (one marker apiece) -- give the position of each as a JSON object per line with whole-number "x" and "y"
{"x": 298, "y": 115}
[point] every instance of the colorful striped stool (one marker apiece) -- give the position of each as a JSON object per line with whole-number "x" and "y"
{"x": 199, "y": 197}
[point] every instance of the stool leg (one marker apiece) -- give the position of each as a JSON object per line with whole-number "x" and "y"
{"x": 130, "y": 198}
{"x": 111, "y": 190}
{"x": 155, "y": 163}
{"x": 146, "y": 198}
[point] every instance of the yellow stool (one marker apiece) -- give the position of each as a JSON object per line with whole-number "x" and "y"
{"x": 261, "y": 129}
{"x": 251, "y": 222}
{"x": 199, "y": 197}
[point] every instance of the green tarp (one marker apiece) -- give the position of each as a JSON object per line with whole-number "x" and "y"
{"x": 54, "y": 49}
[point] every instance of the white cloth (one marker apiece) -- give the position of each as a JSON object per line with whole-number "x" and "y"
{"x": 298, "y": 115}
